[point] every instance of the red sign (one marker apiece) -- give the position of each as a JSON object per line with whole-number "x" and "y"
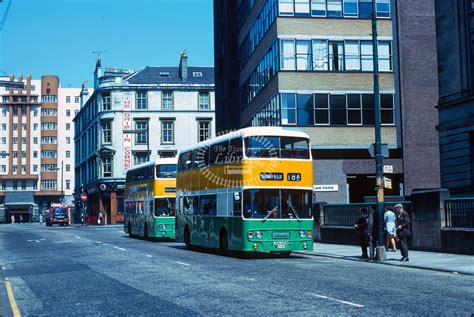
{"x": 83, "y": 197}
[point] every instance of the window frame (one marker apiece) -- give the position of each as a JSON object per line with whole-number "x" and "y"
{"x": 163, "y": 123}
{"x": 167, "y": 99}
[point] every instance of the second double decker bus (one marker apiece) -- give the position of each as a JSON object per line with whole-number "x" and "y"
{"x": 150, "y": 199}
{"x": 249, "y": 191}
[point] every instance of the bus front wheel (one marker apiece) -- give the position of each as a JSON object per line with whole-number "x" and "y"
{"x": 223, "y": 241}
{"x": 187, "y": 238}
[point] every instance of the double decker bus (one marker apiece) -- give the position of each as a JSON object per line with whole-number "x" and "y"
{"x": 150, "y": 199}
{"x": 248, "y": 191}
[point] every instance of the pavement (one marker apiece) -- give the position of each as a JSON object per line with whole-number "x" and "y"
{"x": 442, "y": 262}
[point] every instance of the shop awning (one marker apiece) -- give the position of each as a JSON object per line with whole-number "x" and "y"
{"x": 19, "y": 199}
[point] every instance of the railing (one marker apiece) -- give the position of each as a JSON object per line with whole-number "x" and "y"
{"x": 346, "y": 215}
{"x": 459, "y": 213}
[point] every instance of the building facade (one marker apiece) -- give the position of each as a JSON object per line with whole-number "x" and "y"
{"x": 455, "y": 41}
{"x": 36, "y": 146}
{"x": 309, "y": 65}
{"x": 133, "y": 117}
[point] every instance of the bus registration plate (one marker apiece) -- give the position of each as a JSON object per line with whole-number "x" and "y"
{"x": 280, "y": 244}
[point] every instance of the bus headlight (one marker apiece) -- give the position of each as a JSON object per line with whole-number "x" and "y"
{"x": 259, "y": 234}
{"x": 250, "y": 234}
{"x": 310, "y": 234}
{"x": 302, "y": 234}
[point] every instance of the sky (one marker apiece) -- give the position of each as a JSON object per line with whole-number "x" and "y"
{"x": 57, "y": 37}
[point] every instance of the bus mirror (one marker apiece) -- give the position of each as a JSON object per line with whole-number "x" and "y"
{"x": 237, "y": 196}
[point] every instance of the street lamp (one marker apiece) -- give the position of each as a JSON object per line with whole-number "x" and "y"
{"x": 147, "y": 130}
{"x": 62, "y": 178}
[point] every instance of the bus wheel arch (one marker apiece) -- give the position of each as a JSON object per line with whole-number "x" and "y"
{"x": 223, "y": 240}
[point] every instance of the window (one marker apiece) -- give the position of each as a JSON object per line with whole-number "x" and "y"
{"x": 303, "y": 55}
{"x": 35, "y": 140}
{"x": 386, "y": 109}
{"x": 68, "y": 126}
{"x": 321, "y": 109}
{"x": 68, "y": 99}
{"x": 287, "y": 54}
{"x": 141, "y": 137}
{"x": 140, "y": 157}
{"x": 4, "y": 112}
{"x": 68, "y": 113}
{"x": 4, "y": 126}
{"x": 350, "y": 8}
{"x": 76, "y": 99}
{"x": 320, "y": 55}
{"x": 204, "y": 101}
{"x": 48, "y": 112}
{"x": 4, "y": 140}
{"x": 288, "y": 109}
{"x": 68, "y": 184}
{"x": 365, "y": 9}
{"x": 35, "y": 126}
{"x": 68, "y": 154}
{"x": 68, "y": 167}
{"x": 4, "y": 185}
{"x": 15, "y": 112}
{"x": 167, "y": 132}
{"x": 385, "y": 56}
{"x": 15, "y": 185}
{"x": 23, "y": 126}
{"x": 68, "y": 140}
{"x": 35, "y": 113}
{"x": 106, "y": 101}
{"x": 352, "y": 55}
{"x": 204, "y": 132}
{"x": 336, "y": 56}
{"x": 4, "y": 168}
{"x": 354, "y": 109}
{"x": 285, "y": 7}
{"x": 49, "y": 184}
{"x": 305, "y": 109}
{"x": 35, "y": 185}
{"x": 167, "y": 100}
{"x": 334, "y": 8}
{"x": 106, "y": 132}
{"x": 142, "y": 100}
{"x": 35, "y": 168}
{"x": 106, "y": 167}
{"x": 383, "y": 8}
{"x": 15, "y": 154}
{"x": 366, "y": 56}
{"x": 302, "y": 8}
{"x": 35, "y": 154}
{"x": 23, "y": 185}
{"x": 318, "y": 8}
{"x": 49, "y": 154}
{"x": 338, "y": 109}
{"x": 23, "y": 154}
{"x": 15, "y": 127}
{"x": 368, "y": 108}
{"x": 49, "y": 126}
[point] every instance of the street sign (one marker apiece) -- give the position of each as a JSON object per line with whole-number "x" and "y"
{"x": 385, "y": 152}
{"x": 84, "y": 197}
{"x": 388, "y": 169}
{"x": 387, "y": 183}
{"x": 325, "y": 188}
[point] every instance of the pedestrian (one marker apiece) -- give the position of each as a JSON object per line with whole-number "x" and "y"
{"x": 361, "y": 228}
{"x": 403, "y": 230}
{"x": 99, "y": 219}
{"x": 12, "y": 218}
{"x": 390, "y": 228}
{"x": 41, "y": 219}
{"x": 21, "y": 218}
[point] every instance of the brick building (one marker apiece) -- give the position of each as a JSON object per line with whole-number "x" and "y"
{"x": 309, "y": 65}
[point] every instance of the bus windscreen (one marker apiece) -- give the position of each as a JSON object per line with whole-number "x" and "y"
{"x": 277, "y": 147}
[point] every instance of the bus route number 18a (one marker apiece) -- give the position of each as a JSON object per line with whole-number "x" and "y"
{"x": 293, "y": 177}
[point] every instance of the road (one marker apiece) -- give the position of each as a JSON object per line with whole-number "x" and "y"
{"x": 67, "y": 271}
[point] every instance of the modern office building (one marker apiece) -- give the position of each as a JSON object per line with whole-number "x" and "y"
{"x": 133, "y": 117}
{"x": 455, "y": 40}
{"x": 36, "y": 146}
{"x": 309, "y": 65}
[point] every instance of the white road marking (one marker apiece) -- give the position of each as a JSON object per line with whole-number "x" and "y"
{"x": 337, "y": 300}
{"x": 183, "y": 263}
{"x": 150, "y": 256}
{"x": 34, "y": 240}
{"x": 118, "y": 248}
{"x": 247, "y": 278}
{"x": 3, "y": 268}
{"x": 42, "y": 239}
{"x": 77, "y": 237}
{"x": 104, "y": 243}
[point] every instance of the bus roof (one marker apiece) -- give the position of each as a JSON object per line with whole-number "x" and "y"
{"x": 247, "y": 132}
{"x": 158, "y": 161}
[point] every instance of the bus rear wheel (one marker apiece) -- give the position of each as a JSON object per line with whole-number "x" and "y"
{"x": 187, "y": 238}
{"x": 223, "y": 241}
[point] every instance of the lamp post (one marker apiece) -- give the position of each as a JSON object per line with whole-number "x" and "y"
{"x": 379, "y": 187}
{"x": 147, "y": 130}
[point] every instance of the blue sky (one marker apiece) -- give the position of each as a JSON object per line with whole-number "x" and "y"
{"x": 58, "y": 36}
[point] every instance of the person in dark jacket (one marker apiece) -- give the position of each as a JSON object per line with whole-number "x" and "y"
{"x": 403, "y": 230}
{"x": 362, "y": 230}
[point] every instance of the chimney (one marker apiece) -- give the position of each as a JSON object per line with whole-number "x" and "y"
{"x": 84, "y": 94}
{"x": 183, "y": 66}
{"x": 97, "y": 72}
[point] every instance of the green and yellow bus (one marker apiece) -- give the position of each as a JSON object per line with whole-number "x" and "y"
{"x": 248, "y": 190}
{"x": 150, "y": 199}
